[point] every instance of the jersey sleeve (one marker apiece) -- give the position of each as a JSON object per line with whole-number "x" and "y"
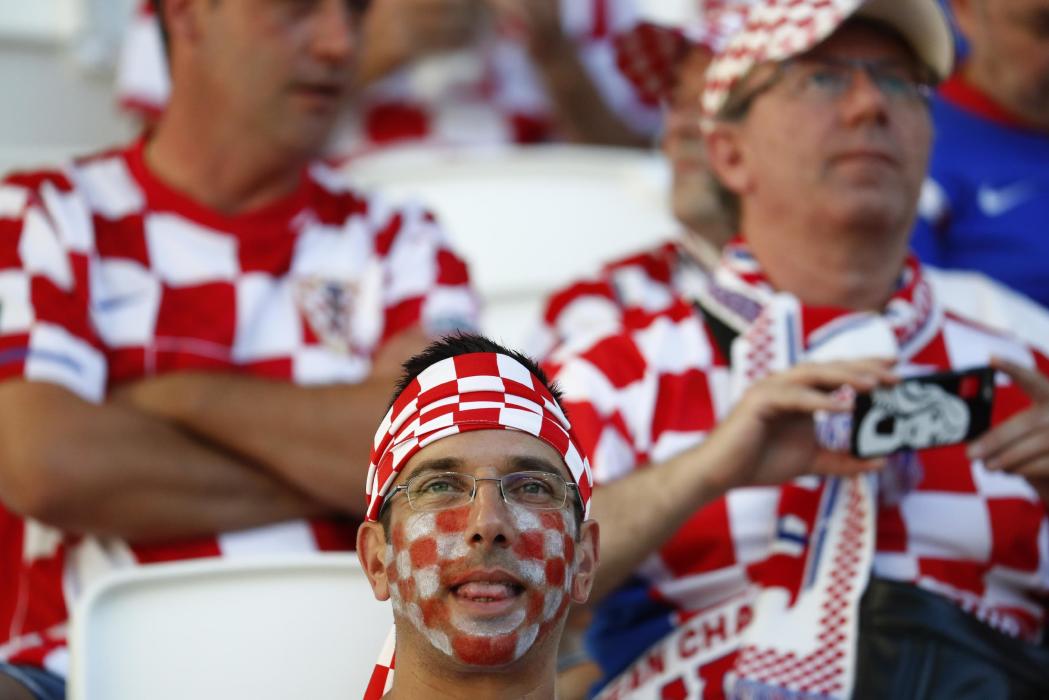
{"x": 45, "y": 328}
{"x": 426, "y": 282}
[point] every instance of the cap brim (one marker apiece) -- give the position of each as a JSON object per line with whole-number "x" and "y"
{"x": 924, "y": 26}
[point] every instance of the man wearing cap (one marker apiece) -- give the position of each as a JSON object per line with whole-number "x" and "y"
{"x": 477, "y": 527}
{"x": 667, "y": 54}
{"x": 817, "y": 124}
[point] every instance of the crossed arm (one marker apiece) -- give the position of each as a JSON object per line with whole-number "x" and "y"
{"x": 191, "y": 453}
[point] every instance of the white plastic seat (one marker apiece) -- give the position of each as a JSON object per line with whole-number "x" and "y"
{"x": 265, "y": 629}
{"x": 530, "y": 219}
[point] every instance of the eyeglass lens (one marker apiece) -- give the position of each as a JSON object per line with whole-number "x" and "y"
{"x": 536, "y": 490}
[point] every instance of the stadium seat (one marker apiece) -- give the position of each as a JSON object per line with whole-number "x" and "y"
{"x": 266, "y": 629}
{"x": 530, "y": 219}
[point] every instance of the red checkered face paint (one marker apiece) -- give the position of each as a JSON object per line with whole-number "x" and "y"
{"x": 484, "y": 604}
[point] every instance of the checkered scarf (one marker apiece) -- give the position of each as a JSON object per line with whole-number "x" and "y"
{"x": 822, "y": 554}
{"x": 476, "y": 391}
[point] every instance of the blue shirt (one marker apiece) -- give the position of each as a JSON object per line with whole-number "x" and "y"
{"x": 985, "y": 205}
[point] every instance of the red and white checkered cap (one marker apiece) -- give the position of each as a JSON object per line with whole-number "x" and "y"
{"x": 649, "y": 54}
{"x": 776, "y": 30}
{"x": 474, "y": 391}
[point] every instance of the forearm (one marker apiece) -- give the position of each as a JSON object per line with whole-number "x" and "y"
{"x": 580, "y": 110}
{"x": 641, "y": 512}
{"x": 111, "y": 471}
{"x": 317, "y": 438}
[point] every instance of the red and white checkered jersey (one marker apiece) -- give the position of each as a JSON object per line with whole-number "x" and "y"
{"x": 486, "y": 95}
{"x": 656, "y": 388}
{"x": 107, "y": 276}
{"x": 626, "y": 288}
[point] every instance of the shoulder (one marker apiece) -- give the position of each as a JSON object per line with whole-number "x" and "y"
{"x": 672, "y": 340}
{"x": 636, "y": 283}
{"x": 337, "y": 201}
{"x": 980, "y": 306}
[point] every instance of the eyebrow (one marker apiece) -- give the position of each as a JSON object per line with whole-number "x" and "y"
{"x": 518, "y": 462}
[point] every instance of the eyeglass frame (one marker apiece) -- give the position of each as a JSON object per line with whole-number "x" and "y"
{"x": 737, "y": 107}
{"x": 570, "y": 488}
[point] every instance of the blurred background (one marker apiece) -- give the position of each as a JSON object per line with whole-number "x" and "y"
{"x": 57, "y": 67}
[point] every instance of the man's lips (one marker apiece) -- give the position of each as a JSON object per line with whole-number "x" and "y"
{"x": 320, "y": 91}
{"x": 485, "y": 585}
{"x": 873, "y": 154}
{"x": 487, "y": 592}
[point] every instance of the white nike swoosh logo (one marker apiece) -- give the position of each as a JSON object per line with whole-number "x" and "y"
{"x": 995, "y": 201}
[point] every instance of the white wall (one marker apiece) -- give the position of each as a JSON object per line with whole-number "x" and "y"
{"x": 54, "y": 104}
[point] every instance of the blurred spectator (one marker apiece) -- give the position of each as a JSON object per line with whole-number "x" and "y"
{"x": 670, "y": 59}
{"x": 201, "y": 330}
{"x": 822, "y": 136}
{"x": 986, "y": 204}
{"x": 507, "y": 560}
{"x": 465, "y": 72}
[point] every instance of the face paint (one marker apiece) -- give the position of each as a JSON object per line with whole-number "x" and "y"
{"x": 430, "y": 555}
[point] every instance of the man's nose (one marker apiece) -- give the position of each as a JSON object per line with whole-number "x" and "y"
{"x": 864, "y": 100}
{"x": 336, "y": 32}
{"x": 490, "y": 520}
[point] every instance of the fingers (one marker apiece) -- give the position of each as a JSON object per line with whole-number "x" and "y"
{"x": 1015, "y": 445}
{"x": 862, "y": 375}
{"x": 795, "y": 398}
{"x": 1034, "y": 384}
{"x": 998, "y": 446}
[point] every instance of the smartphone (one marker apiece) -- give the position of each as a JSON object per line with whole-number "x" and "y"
{"x": 925, "y": 411}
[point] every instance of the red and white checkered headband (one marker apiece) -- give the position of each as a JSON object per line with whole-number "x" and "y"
{"x": 476, "y": 391}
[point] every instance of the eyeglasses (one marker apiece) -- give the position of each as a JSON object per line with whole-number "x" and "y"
{"x": 534, "y": 490}
{"x": 827, "y": 80}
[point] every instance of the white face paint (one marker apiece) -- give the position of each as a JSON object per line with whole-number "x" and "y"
{"x": 431, "y": 548}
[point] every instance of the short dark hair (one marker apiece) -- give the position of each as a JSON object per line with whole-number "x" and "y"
{"x": 463, "y": 343}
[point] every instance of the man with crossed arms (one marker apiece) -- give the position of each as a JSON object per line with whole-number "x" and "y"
{"x": 199, "y": 330}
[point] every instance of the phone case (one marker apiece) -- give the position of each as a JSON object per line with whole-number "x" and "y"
{"x": 920, "y": 412}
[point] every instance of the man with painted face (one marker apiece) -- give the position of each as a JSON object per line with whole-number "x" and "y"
{"x": 928, "y": 578}
{"x": 477, "y": 525}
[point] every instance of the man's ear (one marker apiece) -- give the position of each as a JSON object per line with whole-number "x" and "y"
{"x": 585, "y": 561}
{"x": 371, "y": 552}
{"x": 183, "y": 19}
{"x": 726, "y": 157}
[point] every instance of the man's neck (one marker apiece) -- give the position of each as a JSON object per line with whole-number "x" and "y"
{"x": 217, "y": 165}
{"x": 840, "y": 268}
